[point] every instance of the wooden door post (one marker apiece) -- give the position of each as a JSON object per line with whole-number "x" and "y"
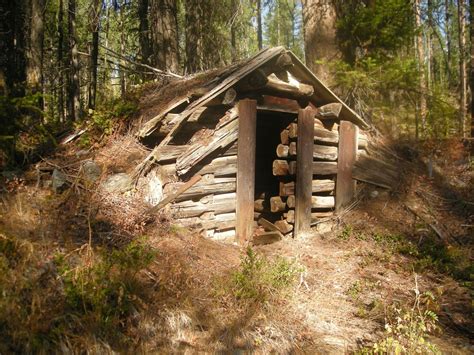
{"x": 345, "y": 185}
{"x": 304, "y": 171}
{"x": 246, "y": 146}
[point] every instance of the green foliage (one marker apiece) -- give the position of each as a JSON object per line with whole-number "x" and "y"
{"x": 380, "y": 28}
{"x": 407, "y": 328}
{"x": 49, "y": 300}
{"x": 258, "y": 279}
{"x": 108, "y": 114}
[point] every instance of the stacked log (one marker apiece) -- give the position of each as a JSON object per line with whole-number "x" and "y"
{"x": 325, "y": 155}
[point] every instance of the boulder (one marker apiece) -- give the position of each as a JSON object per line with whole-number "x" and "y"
{"x": 58, "y": 180}
{"x": 120, "y": 182}
{"x": 91, "y": 171}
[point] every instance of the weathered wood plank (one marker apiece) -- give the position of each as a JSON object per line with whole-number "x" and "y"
{"x": 345, "y": 185}
{"x": 279, "y": 104}
{"x": 250, "y": 66}
{"x": 174, "y": 195}
{"x": 223, "y": 136}
{"x": 220, "y": 166}
{"x": 216, "y": 186}
{"x": 217, "y": 204}
{"x": 151, "y": 125}
{"x": 246, "y": 150}
{"x": 267, "y": 225}
{"x": 304, "y": 177}
{"x": 316, "y": 202}
{"x": 284, "y": 226}
{"x": 287, "y": 189}
{"x": 267, "y": 238}
{"x": 319, "y": 151}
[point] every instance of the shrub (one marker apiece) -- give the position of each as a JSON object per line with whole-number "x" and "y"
{"x": 259, "y": 278}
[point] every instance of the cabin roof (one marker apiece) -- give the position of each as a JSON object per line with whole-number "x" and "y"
{"x": 198, "y": 90}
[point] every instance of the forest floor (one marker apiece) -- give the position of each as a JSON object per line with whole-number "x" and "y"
{"x": 396, "y": 267}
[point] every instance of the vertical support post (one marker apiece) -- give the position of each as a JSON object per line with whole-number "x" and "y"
{"x": 246, "y": 169}
{"x": 304, "y": 171}
{"x": 345, "y": 185}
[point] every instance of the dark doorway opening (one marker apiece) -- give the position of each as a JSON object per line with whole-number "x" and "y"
{"x": 269, "y": 127}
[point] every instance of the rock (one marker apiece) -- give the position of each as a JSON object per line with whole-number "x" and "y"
{"x": 154, "y": 191}
{"x": 91, "y": 171}
{"x": 374, "y": 193}
{"x": 120, "y": 182}
{"x": 58, "y": 180}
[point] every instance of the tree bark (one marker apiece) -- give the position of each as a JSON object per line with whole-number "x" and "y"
{"x": 462, "y": 68}
{"x": 74, "y": 103}
{"x": 165, "y": 35}
{"x": 34, "y": 68}
{"x": 60, "y": 60}
{"x": 144, "y": 31}
{"x": 422, "y": 108}
{"x": 12, "y": 47}
{"x": 319, "y": 21}
{"x": 471, "y": 74}
{"x": 94, "y": 55}
{"x": 259, "y": 25}
{"x": 193, "y": 34}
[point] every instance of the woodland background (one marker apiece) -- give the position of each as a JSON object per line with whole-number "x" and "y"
{"x": 405, "y": 65}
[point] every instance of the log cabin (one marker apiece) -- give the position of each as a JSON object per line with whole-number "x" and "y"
{"x": 261, "y": 143}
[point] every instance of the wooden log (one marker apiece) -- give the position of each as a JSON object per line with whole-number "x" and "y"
{"x": 319, "y": 151}
{"x": 279, "y": 104}
{"x": 284, "y": 226}
{"x": 282, "y": 151}
{"x": 290, "y": 216}
{"x": 220, "y": 166}
{"x": 304, "y": 177}
{"x": 174, "y": 195}
{"x": 229, "y": 97}
{"x": 284, "y": 137}
{"x": 225, "y": 203}
{"x": 198, "y": 151}
{"x": 283, "y": 62}
{"x": 267, "y": 225}
{"x": 247, "y": 133}
{"x": 277, "y": 204}
{"x": 293, "y": 130}
{"x": 260, "y": 205}
{"x": 280, "y": 167}
{"x": 345, "y": 187}
{"x": 287, "y": 189}
{"x": 325, "y": 135}
{"x": 254, "y": 81}
{"x": 216, "y": 186}
{"x": 316, "y": 201}
{"x": 267, "y": 238}
{"x": 362, "y": 140}
{"x": 292, "y": 167}
{"x": 277, "y": 87}
{"x": 329, "y": 111}
{"x": 324, "y": 168}
{"x": 368, "y": 170}
{"x": 150, "y": 126}
{"x": 168, "y": 153}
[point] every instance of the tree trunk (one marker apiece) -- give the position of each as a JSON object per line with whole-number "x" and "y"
{"x": 12, "y": 47}
{"x": 259, "y": 25}
{"x": 123, "y": 86}
{"x": 34, "y": 68}
{"x": 233, "y": 41}
{"x": 60, "y": 60}
{"x": 193, "y": 36}
{"x": 165, "y": 35}
{"x": 74, "y": 103}
{"x": 144, "y": 31}
{"x": 94, "y": 55}
{"x": 447, "y": 31}
{"x": 422, "y": 108}
{"x": 471, "y": 74}
{"x": 462, "y": 68}
{"x": 319, "y": 21}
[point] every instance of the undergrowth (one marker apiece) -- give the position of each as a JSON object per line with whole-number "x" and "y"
{"x": 260, "y": 279}
{"x": 407, "y": 329}
{"x": 51, "y": 302}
